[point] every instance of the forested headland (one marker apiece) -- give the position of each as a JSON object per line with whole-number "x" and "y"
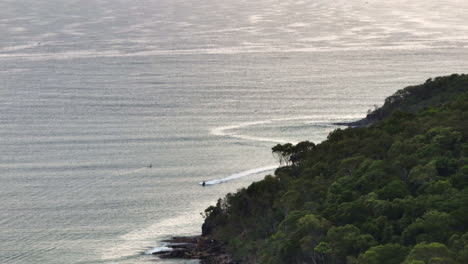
{"x": 391, "y": 190}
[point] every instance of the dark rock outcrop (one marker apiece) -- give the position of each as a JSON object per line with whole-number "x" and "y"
{"x": 207, "y": 250}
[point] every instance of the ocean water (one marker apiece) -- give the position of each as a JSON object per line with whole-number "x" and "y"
{"x": 93, "y": 92}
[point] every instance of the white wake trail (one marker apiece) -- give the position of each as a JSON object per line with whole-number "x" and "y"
{"x": 240, "y": 175}
{"x": 224, "y": 132}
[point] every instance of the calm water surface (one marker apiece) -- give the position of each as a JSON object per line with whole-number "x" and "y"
{"x": 94, "y": 91}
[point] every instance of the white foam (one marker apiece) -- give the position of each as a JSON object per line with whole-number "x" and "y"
{"x": 18, "y": 47}
{"x": 254, "y": 19}
{"x": 85, "y": 54}
{"x": 163, "y": 248}
{"x": 133, "y": 242}
{"x": 263, "y": 139}
{"x": 72, "y": 32}
{"x": 226, "y": 131}
{"x": 240, "y": 175}
{"x": 298, "y": 24}
{"x": 13, "y": 71}
{"x": 17, "y": 29}
{"x": 320, "y": 38}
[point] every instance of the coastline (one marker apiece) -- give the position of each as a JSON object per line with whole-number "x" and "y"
{"x": 203, "y": 248}
{"x": 364, "y": 122}
{"x": 376, "y": 146}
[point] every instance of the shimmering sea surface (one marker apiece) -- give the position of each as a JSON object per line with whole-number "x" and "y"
{"x": 94, "y": 91}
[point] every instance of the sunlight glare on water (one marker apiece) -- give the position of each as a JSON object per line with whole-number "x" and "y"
{"x": 93, "y": 92}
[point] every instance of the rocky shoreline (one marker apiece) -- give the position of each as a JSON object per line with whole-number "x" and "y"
{"x": 365, "y": 122}
{"x": 204, "y": 248}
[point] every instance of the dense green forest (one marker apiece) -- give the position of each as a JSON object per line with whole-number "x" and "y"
{"x": 394, "y": 191}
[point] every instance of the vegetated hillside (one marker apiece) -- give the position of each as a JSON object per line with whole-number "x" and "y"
{"x": 394, "y": 192}
{"x": 414, "y": 98}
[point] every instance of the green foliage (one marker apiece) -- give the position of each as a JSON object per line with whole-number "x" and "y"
{"x": 432, "y": 226}
{"x": 414, "y": 98}
{"x": 292, "y": 154}
{"x": 422, "y": 174}
{"x": 395, "y": 189}
{"x": 347, "y": 240}
{"x": 388, "y": 193}
{"x": 431, "y": 253}
{"x": 384, "y": 254}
